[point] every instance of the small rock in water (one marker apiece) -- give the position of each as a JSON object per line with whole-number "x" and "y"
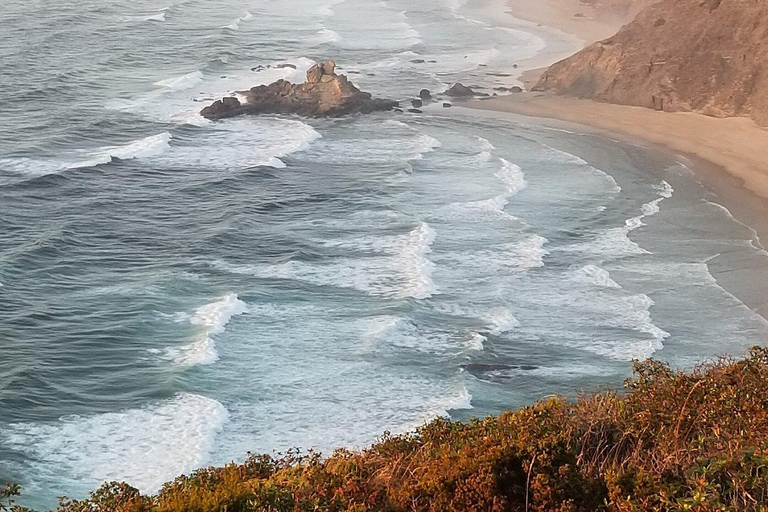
{"x": 516, "y": 89}
{"x": 418, "y": 61}
{"x": 414, "y": 111}
{"x": 283, "y": 66}
{"x": 425, "y": 95}
{"x": 458, "y": 90}
{"x": 447, "y": 105}
{"x": 417, "y": 103}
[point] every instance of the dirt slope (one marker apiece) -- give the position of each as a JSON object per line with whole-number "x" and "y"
{"x": 707, "y": 56}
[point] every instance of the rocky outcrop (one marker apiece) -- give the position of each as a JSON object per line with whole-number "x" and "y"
{"x": 324, "y": 94}
{"x": 706, "y": 56}
{"x": 459, "y": 90}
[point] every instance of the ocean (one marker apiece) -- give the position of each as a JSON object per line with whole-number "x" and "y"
{"x": 175, "y": 292}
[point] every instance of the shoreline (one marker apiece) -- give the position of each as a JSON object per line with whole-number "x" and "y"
{"x": 730, "y": 155}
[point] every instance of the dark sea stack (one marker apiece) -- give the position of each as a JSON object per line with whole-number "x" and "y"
{"x": 324, "y": 94}
{"x": 458, "y": 90}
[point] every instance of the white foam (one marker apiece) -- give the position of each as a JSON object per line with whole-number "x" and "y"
{"x": 414, "y": 260}
{"x": 485, "y": 144}
{"x": 145, "y": 148}
{"x": 156, "y": 17}
{"x": 755, "y": 240}
{"x": 476, "y": 342}
{"x": 181, "y": 82}
{"x": 653, "y": 207}
{"x": 633, "y": 312}
{"x": 394, "y": 141}
{"x": 501, "y": 320}
{"x": 148, "y": 147}
{"x": 616, "y": 241}
{"x": 596, "y": 276}
{"x": 512, "y": 176}
{"x": 395, "y": 331}
{"x": 564, "y": 157}
{"x": 144, "y": 447}
{"x": 244, "y": 143}
{"x": 328, "y": 36}
{"x": 401, "y": 270}
{"x": 528, "y": 253}
{"x": 212, "y": 319}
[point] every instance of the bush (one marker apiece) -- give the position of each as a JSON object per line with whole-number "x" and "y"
{"x": 672, "y": 442}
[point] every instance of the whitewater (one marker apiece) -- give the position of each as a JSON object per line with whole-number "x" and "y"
{"x": 176, "y": 292}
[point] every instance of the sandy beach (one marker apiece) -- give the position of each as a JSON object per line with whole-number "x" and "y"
{"x": 729, "y": 155}
{"x": 736, "y": 144}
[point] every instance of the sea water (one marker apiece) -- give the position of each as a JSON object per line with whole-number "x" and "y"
{"x": 177, "y": 292}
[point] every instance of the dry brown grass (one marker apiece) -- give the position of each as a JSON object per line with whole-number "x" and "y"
{"x": 672, "y": 442}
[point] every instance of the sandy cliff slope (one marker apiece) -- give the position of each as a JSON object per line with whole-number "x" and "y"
{"x": 707, "y": 56}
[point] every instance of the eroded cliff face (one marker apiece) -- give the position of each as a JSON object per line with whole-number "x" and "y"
{"x": 707, "y": 56}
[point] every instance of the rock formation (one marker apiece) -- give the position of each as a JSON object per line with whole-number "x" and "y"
{"x": 459, "y": 90}
{"x": 706, "y": 56}
{"x": 324, "y": 94}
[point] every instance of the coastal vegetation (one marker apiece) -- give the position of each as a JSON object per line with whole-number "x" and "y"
{"x": 673, "y": 441}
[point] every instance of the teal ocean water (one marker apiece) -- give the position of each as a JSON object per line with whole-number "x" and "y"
{"x": 175, "y": 292}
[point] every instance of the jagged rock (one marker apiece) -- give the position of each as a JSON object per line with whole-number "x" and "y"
{"x": 314, "y": 74}
{"x": 328, "y": 67}
{"x": 324, "y": 94}
{"x": 425, "y": 95}
{"x": 417, "y": 103}
{"x": 460, "y": 91}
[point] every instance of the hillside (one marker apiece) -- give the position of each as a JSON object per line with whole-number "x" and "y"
{"x": 673, "y": 442}
{"x": 706, "y": 56}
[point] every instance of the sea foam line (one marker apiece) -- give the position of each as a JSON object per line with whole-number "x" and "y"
{"x": 416, "y": 265}
{"x": 213, "y": 319}
{"x": 144, "y": 447}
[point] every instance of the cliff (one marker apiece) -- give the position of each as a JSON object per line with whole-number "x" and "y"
{"x": 705, "y": 56}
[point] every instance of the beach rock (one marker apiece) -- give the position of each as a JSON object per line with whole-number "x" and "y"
{"x": 314, "y": 74}
{"x": 328, "y": 67}
{"x": 459, "y": 90}
{"x": 417, "y": 103}
{"x": 425, "y": 95}
{"x": 447, "y": 105}
{"x": 324, "y": 94}
{"x": 515, "y": 89}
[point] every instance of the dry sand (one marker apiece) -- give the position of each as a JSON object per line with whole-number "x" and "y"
{"x": 737, "y": 145}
